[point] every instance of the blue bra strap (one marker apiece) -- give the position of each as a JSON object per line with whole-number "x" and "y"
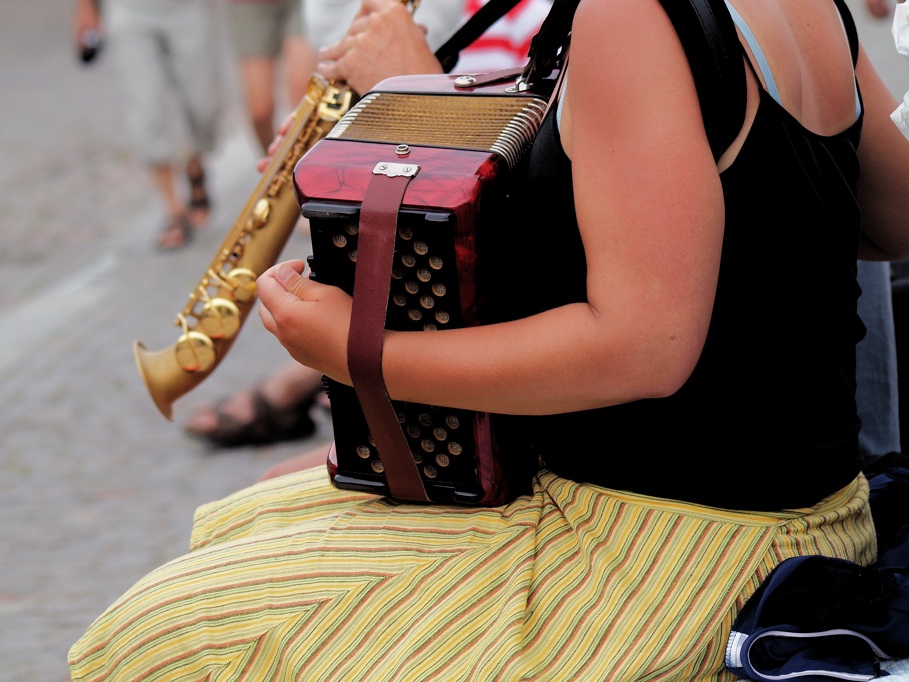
{"x": 756, "y": 51}
{"x": 762, "y": 61}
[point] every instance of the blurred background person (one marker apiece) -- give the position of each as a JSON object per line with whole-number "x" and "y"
{"x": 268, "y": 39}
{"x": 165, "y": 53}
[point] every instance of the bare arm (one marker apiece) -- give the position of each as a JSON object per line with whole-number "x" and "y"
{"x": 653, "y": 250}
{"x": 884, "y": 156}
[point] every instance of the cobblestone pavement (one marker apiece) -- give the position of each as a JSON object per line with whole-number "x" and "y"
{"x": 96, "y": 488}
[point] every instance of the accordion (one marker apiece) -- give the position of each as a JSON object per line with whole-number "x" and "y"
{"x": 398, "y": 196}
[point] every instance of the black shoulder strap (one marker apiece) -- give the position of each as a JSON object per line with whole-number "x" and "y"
{"x": 711, "y": 44}
{"x": 472, "y": 29}
{"x": 849, "y": 25}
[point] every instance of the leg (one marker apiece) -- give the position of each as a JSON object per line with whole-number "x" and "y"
{"x": 193, "y": 50}
{"x": 176, "y": 232}
{"x": 298, "y": 55}
{"x": 258, "y": 76}
{"x": 135, "y": 46}
{"x": 276, "y": 410}
{"x": 300, "y": 63}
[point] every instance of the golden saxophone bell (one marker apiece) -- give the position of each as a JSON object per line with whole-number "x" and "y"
{"x": 223, "y": 298}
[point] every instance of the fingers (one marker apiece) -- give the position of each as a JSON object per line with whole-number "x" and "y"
{"x": 284, "y": 127}
{"x": 262, "y": 163}
{"x": 290, "y": 276}
{"x": 280, "y": 284}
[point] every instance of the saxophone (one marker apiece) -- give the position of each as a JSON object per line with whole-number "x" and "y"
{"x": 223, "y": 298}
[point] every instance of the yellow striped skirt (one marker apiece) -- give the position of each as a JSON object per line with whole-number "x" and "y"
{"x": 292, "y": 579}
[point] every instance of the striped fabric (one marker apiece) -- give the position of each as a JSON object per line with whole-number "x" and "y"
{"x": 294, "y": 580}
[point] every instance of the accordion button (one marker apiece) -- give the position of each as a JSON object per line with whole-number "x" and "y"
{"x": 428, "y": 445}
{"x": 424, "y": 274}
{"x": 439, "y": 289}
{"x": 442, "y": 459}
{"x": 435, "y": 263}
{"x": 455, "y": 448}
{"x": 427, "y": 302}
{"x": 421, "y": 248}
{"x": 430, "y": 471}
{"x": 442, "y": 317}
{"x": 452, "y": 421}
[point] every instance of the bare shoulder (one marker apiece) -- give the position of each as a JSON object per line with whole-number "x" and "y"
{"x": 808, "y": 54}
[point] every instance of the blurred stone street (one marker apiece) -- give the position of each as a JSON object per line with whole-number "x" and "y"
{"x": 96, "y": 486}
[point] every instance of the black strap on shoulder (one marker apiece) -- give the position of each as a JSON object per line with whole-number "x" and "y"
{"x": 711, "y": 44}
{"x": 849, "y": 25}
{"x": 472, "y": 29}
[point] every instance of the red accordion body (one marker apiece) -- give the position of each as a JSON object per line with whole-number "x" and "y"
{"x": 455, "y": 143}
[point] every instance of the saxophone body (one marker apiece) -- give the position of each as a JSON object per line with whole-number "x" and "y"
{"x": 224, "y": 297}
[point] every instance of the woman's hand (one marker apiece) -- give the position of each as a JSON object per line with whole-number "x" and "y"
{"x": 311, "y": 320}
{"x": 383, "y": 41}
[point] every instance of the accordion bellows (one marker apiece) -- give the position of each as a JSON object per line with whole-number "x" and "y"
{"x": 465, "y": 146}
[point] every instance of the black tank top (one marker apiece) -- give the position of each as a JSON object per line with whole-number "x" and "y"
{"x": 767, "y": 419}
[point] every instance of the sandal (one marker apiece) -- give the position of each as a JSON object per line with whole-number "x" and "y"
{"x": 176, "y": 234}
{"x": 268, "y": 425}
{"x": 199, "y": 203}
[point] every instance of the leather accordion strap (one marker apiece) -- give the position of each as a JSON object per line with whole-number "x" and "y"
{"x": 372, "y": 278}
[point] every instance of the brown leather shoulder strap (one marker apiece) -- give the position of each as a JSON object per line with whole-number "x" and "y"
{"x": 372, "y": 278}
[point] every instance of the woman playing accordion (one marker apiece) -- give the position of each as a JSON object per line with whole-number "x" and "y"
{"x": 674, "y": 379}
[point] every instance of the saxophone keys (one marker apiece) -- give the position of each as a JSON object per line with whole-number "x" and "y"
{"x": 195, "y": 352}
{"x": 220, "y": 318}
{"x": 260, "y": 213}
{"x": 243, "y": 282}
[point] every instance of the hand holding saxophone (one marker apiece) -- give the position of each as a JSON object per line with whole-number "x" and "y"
{"x": 311, "y": 320}
{"x": 383, "y": 41}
